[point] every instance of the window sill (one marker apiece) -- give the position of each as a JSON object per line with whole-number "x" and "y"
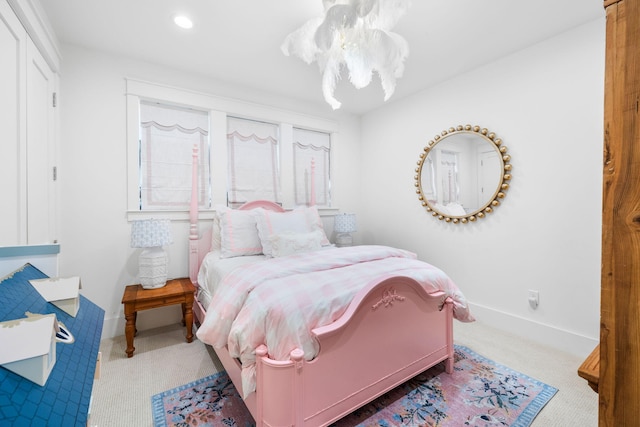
{"x": 203, "y": 214}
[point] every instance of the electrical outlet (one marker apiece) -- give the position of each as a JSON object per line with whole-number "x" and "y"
{"x": 534, "y": 298}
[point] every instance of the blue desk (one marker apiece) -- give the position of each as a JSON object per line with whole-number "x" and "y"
{"x": 64, "y": 400}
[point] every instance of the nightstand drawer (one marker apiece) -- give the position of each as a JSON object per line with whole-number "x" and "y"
{"x": 162, "y": 302}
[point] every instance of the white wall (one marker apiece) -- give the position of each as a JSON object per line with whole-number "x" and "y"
{"x": 546, "y": 103}
{"x": 94, "y": 232}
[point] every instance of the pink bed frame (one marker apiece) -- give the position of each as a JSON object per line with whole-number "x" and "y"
{"x": 391, "y": 331}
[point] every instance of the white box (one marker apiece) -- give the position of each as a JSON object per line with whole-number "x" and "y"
{"x": 64, "y": 293}
{"x": 29, "y": 346}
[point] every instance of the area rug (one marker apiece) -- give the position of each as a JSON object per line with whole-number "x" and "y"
{"x": 479, "y": 393}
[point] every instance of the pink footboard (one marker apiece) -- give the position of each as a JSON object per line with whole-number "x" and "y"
{"x": 392, "y": 331}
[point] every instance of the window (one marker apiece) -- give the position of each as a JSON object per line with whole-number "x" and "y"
{"x": 311, "y": 156}
{"x": 168, "y": 135}
{"x": 246, "y": 151}
{"x": 254, "y": 171}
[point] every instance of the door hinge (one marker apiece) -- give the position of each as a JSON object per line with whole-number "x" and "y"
{"x": 55, "y": 99}
{"x": 55, "y": 173}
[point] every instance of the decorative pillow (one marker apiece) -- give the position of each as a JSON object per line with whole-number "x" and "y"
{"x": 298, "y": 221}
{"x": 216, "y": 240}
{"x": 292, "y": 243}
{"x": 238, "y": 233}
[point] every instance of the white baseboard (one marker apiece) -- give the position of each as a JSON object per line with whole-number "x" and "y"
{"x": 547, "y": 335}
{"x": 112, "y": 327}
{"x": 147, "y": 319}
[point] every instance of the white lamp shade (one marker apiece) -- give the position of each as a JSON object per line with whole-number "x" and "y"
{"x": 344, "y": 223}
{"x": 149, "y": 233}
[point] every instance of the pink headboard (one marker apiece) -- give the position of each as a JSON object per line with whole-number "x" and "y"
{"x": 271, "y": 206}
{"x": 200, "y": 246}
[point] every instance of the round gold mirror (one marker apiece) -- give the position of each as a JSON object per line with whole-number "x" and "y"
{"x": 463, "y": 174}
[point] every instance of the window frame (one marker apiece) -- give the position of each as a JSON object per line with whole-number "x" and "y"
{"x": 275, "y": 149}
{"x": 219, "y": 108}
{"x": 151, "y": 130}
{"x": 320, "y": 152}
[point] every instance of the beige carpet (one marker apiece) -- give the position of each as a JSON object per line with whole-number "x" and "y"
{"x": 163, "y": 360}
{"x": 575, "y": 404}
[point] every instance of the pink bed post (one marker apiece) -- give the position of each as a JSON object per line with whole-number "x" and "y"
{"x": 193, "y": 219}
{"x": 448, "y": 365}
{"x": 312, "y": 201}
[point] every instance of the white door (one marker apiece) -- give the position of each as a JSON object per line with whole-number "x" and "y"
{"x": 41, "y": 206}
{"x": 490, "y": 173}
{"x": 13, "y": 203}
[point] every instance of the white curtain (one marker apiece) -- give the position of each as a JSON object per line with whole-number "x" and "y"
{"x": 253, "y": 161}
{"x": 311, "y": 147}
{"x": 167, "y": 137}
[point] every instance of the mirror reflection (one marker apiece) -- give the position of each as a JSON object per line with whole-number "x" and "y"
{"x": 462, "y": 174}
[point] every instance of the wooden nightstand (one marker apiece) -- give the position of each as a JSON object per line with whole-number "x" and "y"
{"x": 136, "y": 298}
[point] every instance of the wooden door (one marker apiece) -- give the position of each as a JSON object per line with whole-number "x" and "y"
{"x": 619, "y": 382}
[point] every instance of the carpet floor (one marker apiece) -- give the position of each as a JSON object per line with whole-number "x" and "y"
{"x": 163, "y": 360}
{"x": 479, "y": 393}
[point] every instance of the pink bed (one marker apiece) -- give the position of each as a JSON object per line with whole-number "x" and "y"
{"x": 392, "y": 327}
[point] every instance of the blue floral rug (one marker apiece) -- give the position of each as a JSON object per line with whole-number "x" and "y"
{"x": 479, "y": 393}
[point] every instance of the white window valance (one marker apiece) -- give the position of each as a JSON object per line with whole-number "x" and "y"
{"x": 167, "y": 137}
{"x": 253, "y": 167}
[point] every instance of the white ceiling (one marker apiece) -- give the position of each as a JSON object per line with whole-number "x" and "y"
{"x": 238, "y": 41}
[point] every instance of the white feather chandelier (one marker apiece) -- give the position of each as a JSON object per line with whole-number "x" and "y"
{"x": 356, "y": 34}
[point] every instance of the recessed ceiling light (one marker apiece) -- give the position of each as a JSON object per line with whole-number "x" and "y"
{"x": 183, "y": 21}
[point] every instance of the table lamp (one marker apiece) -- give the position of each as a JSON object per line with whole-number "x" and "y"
{"x": 151, "y": 234}
{"x": 344, "y": 224}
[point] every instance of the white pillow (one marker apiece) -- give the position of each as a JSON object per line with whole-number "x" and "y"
{"x": 216, "y": 240}
{"x": 238, "y": 233}
{"x": 298, "y": 221}
{"x": 291, "y": 243}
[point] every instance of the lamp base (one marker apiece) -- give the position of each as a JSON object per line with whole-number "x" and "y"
{"x": 152, "y": 265}
{"x": 344, "y": 239}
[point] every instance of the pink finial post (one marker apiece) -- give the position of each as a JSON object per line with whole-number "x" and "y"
{"x": 312, "y": 201}
{"x": 193, "y": 218}
{"x": 193, "y": 210}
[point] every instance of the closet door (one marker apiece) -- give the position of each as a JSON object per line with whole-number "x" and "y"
{"x": 41, "y": 192}
{"x": 13, "y": 225}
{"x": 27, "y": 138}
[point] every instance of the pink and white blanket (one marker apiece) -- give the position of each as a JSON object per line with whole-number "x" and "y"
{"x": 279, "y": 301}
